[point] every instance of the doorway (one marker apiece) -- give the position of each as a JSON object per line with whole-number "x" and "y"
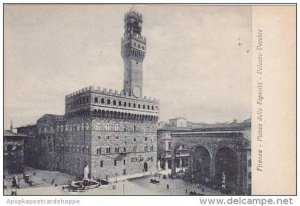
{"x": 145, "y": 166}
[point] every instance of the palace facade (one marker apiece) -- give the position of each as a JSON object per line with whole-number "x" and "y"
{"x": 113, "y": 132}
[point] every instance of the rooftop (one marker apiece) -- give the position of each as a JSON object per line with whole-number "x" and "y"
{"x": 8, "y": 133}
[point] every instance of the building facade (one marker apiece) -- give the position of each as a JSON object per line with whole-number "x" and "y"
{"x": 113, "y": 132}
{"x": 215, "y": 154}
{"x": 13, "y": 155}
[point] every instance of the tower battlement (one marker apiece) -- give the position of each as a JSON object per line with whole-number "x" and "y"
{"x": 93, "y": 98}
{"x": 107, "y": 91}
{"x": 134, "y": 13}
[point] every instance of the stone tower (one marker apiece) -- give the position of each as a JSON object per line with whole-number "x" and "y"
{"x": 133, "y": 53}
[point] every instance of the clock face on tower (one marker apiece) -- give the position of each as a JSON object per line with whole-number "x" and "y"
{"x": 136, "y": 92}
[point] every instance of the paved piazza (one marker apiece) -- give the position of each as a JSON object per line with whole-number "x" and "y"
{"x": 139, "y": 186}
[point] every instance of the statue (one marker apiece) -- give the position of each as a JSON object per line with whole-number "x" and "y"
{"x": 158, "y": 165}
{"x": 86, "y": 172}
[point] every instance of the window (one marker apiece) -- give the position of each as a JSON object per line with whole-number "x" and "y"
{"x": 145, "y": 138}
{"x": 99, "y": 151}
{"x": 143, "y": 47}
{"x": 96, "y": 99}
{"x": 114, "y": 102}
{"x": 134, "y": 149}
{"x": 107, "y": 150}
{"x": 115, "y": 162}
{"x": 102, "y": 101}
{"x": 120, "y": 103}
{"x": 152, "y": 108}
{"x": 124, "y": 162}
{"x": 134, "y": 105}
{"x": 249, "y": 175}
{"x": 139, "y": 106}
{"x": 124, "y": 149}
{"x": 129, "y": 104}
{"x": 124, "y": 104}
{"x": 107, "y": 137}
{"x": 151, "y": 148}
{"x": 144, "y": 107}
{"x": 134, "y": 139}
{"x": 124, "y": 171}
{"x": 108, "y": 101}
{"x": 145, "y": 148}
{"x": 139, "y": 46}
{"x": 101, "y": 163}
{"x": 116, "y": 149}
{"x": 249, "y": 163}
{"x": 148, "y": 107}
{"x": 107, "y": 127}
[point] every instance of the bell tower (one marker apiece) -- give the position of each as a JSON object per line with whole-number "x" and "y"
{"x": 133, "y": 52}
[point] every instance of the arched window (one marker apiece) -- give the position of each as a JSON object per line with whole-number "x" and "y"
{"x": 99, "y": 151}
{"x": 129, "y": 104}
{"x": 107, "y": 150}
{"x": 96, "y": 99}
{"x": 139, "y": 106}
{"x": 108, "y": 101}
{"x": 120, "y": 103}
{"x": 143, "y": 106}
{"x": 114, "y": 102}
{"x": 107, "y": 128}
{"x": 134, "y": 105}
{"x": 124, "y": 104}
{"x": 152, "y": 107}
{"x": 116, "y": 149}
{"x": 102, "y": 100}
{"x": 148, "y": 107}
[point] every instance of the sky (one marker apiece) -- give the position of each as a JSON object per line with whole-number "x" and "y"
{"x": 198, "y": 60}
